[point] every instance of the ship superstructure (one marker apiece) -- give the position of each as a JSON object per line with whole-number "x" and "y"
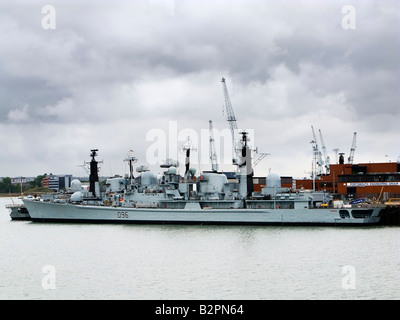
{"x": 207, "y": 198}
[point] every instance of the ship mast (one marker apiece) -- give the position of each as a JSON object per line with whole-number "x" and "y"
{"x": 94, "y": 186}
{"x": 131, "y": 160}
{"x": 245, "y": 168}
{"x": 186, "y": 147}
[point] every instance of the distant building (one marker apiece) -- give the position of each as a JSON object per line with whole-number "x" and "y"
{"x": 45, "y": 182}
{"x": 57, "y": 182}
{"x": 370, "y": 180}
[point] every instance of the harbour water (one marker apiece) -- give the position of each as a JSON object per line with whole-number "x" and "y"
{"x": 109, "y": 261}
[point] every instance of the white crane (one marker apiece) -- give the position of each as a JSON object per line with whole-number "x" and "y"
{"x": 317, "y": 155}
{"x": 353, "y": 148}
{"x": 241, "y": 156}
{"x": 232, "y": 123}
{"x": 326, "y": 157}
{"x": 213, "y": 154}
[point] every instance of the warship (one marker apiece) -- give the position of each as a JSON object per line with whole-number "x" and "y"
{"x": 206, "y": 198}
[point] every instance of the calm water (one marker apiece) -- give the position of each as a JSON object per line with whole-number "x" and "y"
{"x": 90, "y": 261}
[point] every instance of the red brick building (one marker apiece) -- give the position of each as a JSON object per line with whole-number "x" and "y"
{"x": 370, "y": 180}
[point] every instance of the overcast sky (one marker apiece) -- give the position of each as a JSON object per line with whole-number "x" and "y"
{"x": 117, "y": 75}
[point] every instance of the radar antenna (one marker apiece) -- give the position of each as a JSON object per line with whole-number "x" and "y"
{"x": 93, "y": 172}
{"x": 131, "y": 160}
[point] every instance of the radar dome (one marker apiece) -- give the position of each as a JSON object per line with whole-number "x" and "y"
{"x": 273, "y": 180}
{"x": 172, "y": 170}
{"x": 272, "y": 184}
{"x": 76, "y": 185}
{"x": 148, "y": 179}
{"x": 77, "y": 196}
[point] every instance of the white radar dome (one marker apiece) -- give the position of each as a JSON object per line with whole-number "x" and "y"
{"x": 76, "y": 185}
{"x": 77, "y": 196}
{"x": 172, "y": 170}
{"x": 148, "y": 179}
{"x": 273, "y": 180}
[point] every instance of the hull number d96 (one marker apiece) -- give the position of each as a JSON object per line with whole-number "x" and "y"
{"x": 122, "y": 214}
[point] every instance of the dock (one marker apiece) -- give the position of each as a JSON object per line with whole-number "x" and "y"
{"x": 391, "y": 214}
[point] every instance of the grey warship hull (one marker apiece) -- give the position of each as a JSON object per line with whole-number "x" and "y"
{"x": 193, "y": 214}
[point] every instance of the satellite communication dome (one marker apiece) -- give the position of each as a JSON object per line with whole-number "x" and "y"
{"x": 273, "y": 180}
{"x": 148, "y": 178}
{"x": 77, "y": 196}
{"x": 215, "y": 181}
{"x": 172, "y": 170}
{"x": 76, "y": 185}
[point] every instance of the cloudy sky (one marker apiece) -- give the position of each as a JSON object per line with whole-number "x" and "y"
{"x": 144, "y": 74}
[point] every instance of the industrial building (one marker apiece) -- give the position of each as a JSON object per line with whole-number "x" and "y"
{"x": 57, "y": 182}
{"x": 377, "y": 181}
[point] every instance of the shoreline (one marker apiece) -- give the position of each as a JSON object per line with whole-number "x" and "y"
{"x": 18, "y": 195}
{"x": 11, "y": 195}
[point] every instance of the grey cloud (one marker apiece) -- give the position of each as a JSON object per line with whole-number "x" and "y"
{"x": 17, "y": 92}
{"x": 143, "y": 63}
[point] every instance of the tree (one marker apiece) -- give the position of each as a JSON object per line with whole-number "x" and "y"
{"x": 37, "y": 182}
{"x": 7, "y": 187}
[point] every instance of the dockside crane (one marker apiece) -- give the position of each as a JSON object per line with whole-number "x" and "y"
{"x": 232, "y": 123}
{"x": 241, "y": 155}
{"x": 317, "y": 155}
{"x": 353, "y": 148}
{"x": 213, "y": 154}
{"x": 326, "y": 156}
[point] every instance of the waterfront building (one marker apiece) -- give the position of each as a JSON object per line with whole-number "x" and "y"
{"x": 57, "y": 182}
